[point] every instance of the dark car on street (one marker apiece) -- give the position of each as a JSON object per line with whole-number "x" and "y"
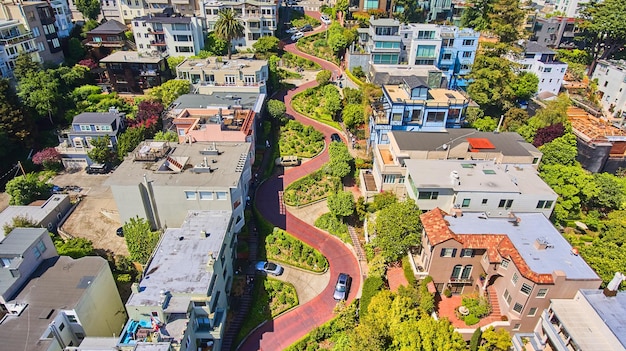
{"x": 306, "y": 28}
{"x": 335, "y": 137}
{"x": 342, "y": 288}
{"x": 97, "y": 168}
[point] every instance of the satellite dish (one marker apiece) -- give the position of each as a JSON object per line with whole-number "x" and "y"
{"x": 445, "y": 146}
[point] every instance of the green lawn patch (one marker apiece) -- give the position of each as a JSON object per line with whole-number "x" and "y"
{"x": 283, "y": 247}
{"x": 317, "y": 46}
{"x": 290, "y": 60}
{"x": 313, "y": 187}
{"x": 300, "y": 140}
{"x": 314, "y": 104}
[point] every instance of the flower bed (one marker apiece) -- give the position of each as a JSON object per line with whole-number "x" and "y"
{"x": 313, "y": 187}
{"x": 473, "y": 308}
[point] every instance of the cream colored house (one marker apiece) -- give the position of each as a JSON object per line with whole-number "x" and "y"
{"x": 217, "y": 74}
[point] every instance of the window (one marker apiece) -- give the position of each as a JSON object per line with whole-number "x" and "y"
{"x": 547, "y": 70}
{"x": 466, "y": 202}
{"x": 180, "y": 26}
{"x": 532, "y": 312}
{"x": 184, "y": 49}
{"x": 467, "y": 54}
{"x": 515, "y": 278}
{"x": 518, "y": 307}
{"x": 36, "y": 32}
{"x": 448, "y": 252}
{"x": 468, "y": 42}
{"x": 467, "y": 271}
{"x": 426, "y": 34}
{"x": 103, "y": 128}
{"x": 61, "y": 327}
{"x": 229, "y": 80}
{"x": 447, "y": 42}
{"x": 447, "y": 56}
{"x": 542, "y": 293}
{"x": 467, "y": 253}
{"x": 6, "y": 261}
{"x": 504, "y": 264}
{"x": 517, "y": 326}
{"x": 386, "y": 45}
{"x": 544, "y": 204}
{"x": 428, "y": 195}
{"x": 182, "y": 37}
{"x": 206, "y": 195}
{"x": 389, "y": 178}
{"x": 506, "y": 296}
{"x": 190, "y": 195}
{"x": 85, "y": 128}
{"x": 71, "y": 318}
{"x": 435, "y": 116}
{"x": 506, "y": 203}
{"x": 526, "y": 289}
{"x": 484, "y": 202}
{"x": 221, "y": 195}
{"x": 456, "y": 272}
{"x": 426, "y": 51}
{"x": 41, "y": 246}
{"x": 145, "y": 35}
{"x": 136, "y": 24}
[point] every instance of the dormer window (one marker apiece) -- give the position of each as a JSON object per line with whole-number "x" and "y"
{"x": 85, "y": 128}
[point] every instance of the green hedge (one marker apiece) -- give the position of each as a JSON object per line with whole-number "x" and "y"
{"x": 371, "y": 286}
{"x": 408, "y": 271}
{"x": 332, "y": 329}
{"x": 283, "y": 247}
{"x": 334, "y": 226}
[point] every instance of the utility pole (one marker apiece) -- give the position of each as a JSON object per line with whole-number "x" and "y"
{"x": 19, "y": 163}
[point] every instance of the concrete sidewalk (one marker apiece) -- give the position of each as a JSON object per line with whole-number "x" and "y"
{"x": 308, "y": 285}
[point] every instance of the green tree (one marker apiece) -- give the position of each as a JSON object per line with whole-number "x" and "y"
{"x": 19, "y": 221}
{"x": 572, "y": 184}
{"x": 560, "y": 151}
{"x": 88, "y": 26}
{"x": 129, "y": 140}
{"x": 229, "y": 27}
{"x": 323, "y": 77}
{"x": 398, "y": 227}
{"x": 496, "y": 340}
{"x": 166, "y": 136}
{"x": 170, "y": 91}
{"x": 40, "y": 91}
{"x": 331, "y": 100}
{"x": 353, "y": 116}
{"x": 89, "y": 8}
{"x": 610, "y": 193}
{"x": 266, "y": 44}
{"x": 475, "y": 340}
{"x": 215, "y": 46}
{"x": 74, "y": 247}
{"x": 525, "y": 86}
{"x": 382, "y": 200}
{"x": 75, "y": 51}
{"x": 485, "y": 124}
{"x": 276, "y": 109}
{"x": 578, "y": 56}
{"x": 27, "y": 188}
{"x": 24, "y": 65}
{"x": 100, "y": 151}
{"x": 340, "y": 161}
{"x": 140, "y": 239}
{"x": 408, "y": 11}
{"x": 173, "y": 62}
{"x": 477, "y": 15}
{"x": 514, "y": 118}
{"x": 506, "y": 17}
{"x": 352, "y": 96}
{"x": 18, "y": 125}
{"x": 604, "y": 26}
{"x": 491, "y": 87}
{"x": 341, "y": 204}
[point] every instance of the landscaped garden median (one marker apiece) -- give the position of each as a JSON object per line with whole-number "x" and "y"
{"x": 299, "y": 140}
{"x": 314, "y": 187}
{"x": 321, "y": 103}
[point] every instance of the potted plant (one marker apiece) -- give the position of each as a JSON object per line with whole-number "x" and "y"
{"x": 483, "y": 276}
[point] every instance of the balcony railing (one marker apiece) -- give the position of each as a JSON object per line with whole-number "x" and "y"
{"x": 468, "y": 280}
{"x": 16, "y": 39}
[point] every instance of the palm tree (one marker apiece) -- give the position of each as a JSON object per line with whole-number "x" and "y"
{"x": 229, "y": 27}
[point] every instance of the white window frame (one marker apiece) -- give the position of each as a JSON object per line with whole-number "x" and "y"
{"x": 542, "y": 293}
{"x": 191, "y": 195}
{"x": 219, "y": 195}
{"x": 515, "y": 278}
{"x": 206, "y": 195}
{"x": 526, "y": 289}
{"x": 521, "y": 308}
{"x": 504, "y": 264}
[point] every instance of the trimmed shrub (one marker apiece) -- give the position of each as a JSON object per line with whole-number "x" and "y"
{"x": 371, "y": 286}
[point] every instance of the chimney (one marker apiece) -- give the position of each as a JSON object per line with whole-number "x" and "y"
{"x": 613, "y": 286}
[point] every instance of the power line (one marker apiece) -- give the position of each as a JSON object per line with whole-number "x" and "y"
{"x": 11, "y": 170}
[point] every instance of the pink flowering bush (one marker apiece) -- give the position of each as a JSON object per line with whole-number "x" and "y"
{"x": 49, "y": 158}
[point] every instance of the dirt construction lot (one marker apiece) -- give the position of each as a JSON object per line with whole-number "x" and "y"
{"x": 96, "y": 217}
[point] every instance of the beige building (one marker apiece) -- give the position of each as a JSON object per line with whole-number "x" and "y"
{"x": 220, "y": 75}
{"x": 182, "y": 299}
{"x": 522, "y": 259}
{"x": 44, "y": 213}
{"x": 389, "y": 170}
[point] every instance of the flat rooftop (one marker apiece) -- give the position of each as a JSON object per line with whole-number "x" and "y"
{"x": 58, "y": 283}
{"x": 131, "y": 57}
{"x": 211, "y": 64}
{"x": 179, "y": 265}
{"x": 595, "y": 321}
{"x": 225, "y": 171}
{"x": 438, "y": 96}
{"x": 509, "y": 144}
{"x": 531, "y": 227}
{"x": 477, "y": 176}
{"x": 218, "y": 99}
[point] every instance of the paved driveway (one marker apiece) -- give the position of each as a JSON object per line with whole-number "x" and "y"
{"x": 308, "y": 285}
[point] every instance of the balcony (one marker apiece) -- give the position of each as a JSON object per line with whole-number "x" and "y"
{"x": 158, "y": 42}
{"x": 16, "y": 39}
{"x": 468, "y": 280}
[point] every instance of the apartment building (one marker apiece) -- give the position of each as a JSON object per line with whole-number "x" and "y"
{"x": 54, "y": 302}
{"x": 110, "y": 11}
{"x": 556, "y": 32}
{"x": 14, "y": 40}
{"x": 161, "y": 183}
{"x": 569, "y": 8}
{"x": 107, "y": 37}
{"x": 539, "y": 60}
{"x": 133, "y": 72}
{"x": 168, "y": 34}
{"x": 63, "y": 16}
{"x": 413, "y": 106}
{"x": 450, "y": 49}
{"x": 75, "y": 142}
{"x": 129, "y": 9}
{"x": 592, "y": 320}
{"x": 182, "y": 299}
{"x": 389, "y": 169}
{"x": 38, "y": 18}
{"x": 522, "y": 259}
{"x": 259, "y": 17}
{"x": 478, "y": 186}
{"x": 44, "y": 213}
{"x": 611, "y": 76}
{"x": 220, "y": 75}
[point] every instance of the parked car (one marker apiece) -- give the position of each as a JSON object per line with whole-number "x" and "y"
{"x": 97, "y": 168}
{"x": 342, "y": 288}
{"x": 325, "y": 19}
{"x": 287, "y": 161}
{"x": 120, "y": 231}
{"x": 306, "y": 28}
{"x": 292, "y": 2}
{"x": 292, "y": 30}
{"x": 269, "y": 268}
{"x": 335, "y": 137}
{"x": 296, "y": 36}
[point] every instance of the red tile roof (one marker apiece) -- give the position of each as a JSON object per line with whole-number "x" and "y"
{"x": 498, "y": 246}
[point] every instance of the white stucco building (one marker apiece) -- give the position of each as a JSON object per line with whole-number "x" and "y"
{"x": 539, "y": 60}
{"x": 173, "y": 35}
{"x": 611, "y": 76}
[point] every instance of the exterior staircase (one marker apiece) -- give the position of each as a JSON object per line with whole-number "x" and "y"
{"x": 492, "y": 295}
{"x": 360, "y": 254}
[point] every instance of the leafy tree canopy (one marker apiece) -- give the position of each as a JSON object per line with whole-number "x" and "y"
{"x": 485, "y": 124}
{"x": 605, "y": 29}
{"x": 495, "y": 340}
{"x": 353, "y": 116}
{"x": 166, "y": 136}
{"x": 276, "y": 109}
{"x": 24, "y": 65}
{"x": 215, "y": 46}
{"x": 323, "y": 77}
{"x": 100, "y": 151}
{"x": 89, "y": 8}
{"x": 27, "y": 188}
{"x": 129, "y": 140}
{"x": 140, "y": 238}
{"x": 572, "y": 183}
{"x": 560, "y": 151}
{"x": 398, "y": 227}
{"x": 266, "y": 44}
{"x": 382, "y": 200}
{"x": 74, "y": 247}
{"x": 229, "y": 27}
{"x": 341, "y": 204}
{"x": 173, "y": 61}
{"x": 20, "y": 221}
{"x": 170, "y": 91}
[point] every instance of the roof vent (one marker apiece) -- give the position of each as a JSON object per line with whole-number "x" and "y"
{"x": 542, "y": 244}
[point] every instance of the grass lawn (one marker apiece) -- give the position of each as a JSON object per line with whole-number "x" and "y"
{"x": 300, "y": 140}
{"x": 317, "y": 46}
{"x": 313, "y": 187}
{"x": 312, "y": 106}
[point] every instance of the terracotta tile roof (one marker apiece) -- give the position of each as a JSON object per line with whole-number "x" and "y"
{"x": 498, "y": 246}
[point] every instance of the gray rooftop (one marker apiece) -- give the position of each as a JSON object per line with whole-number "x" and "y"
{"x": 533, "y": 226}
{"x": 179, "y": 265}
{"x": 96, "y": 117}
{"x": 222, "y": 99}
{"x": 395, "y": 74}
{"x": 130, "y": 57}
{"x": 109, "y": 27}
{"x": 509, "y": 143}
{"x": 19, "y": 240}
{"x": 535, "y": 47}
{"x": 477, "y": 176}
{"x": 595, "y": 321}
{"x": 98, "y": 344}
{"x": 384, "y": 22}
{"x": 153, "y": 346}
{"x": 226, "y": 171}
{"x": 163, "y": 19}
{"x": 56, "y": 285}
{"x": 35, "y": 213}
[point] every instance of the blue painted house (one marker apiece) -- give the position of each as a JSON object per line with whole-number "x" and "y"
{"x": 413, "y": 106}
{"x": 75, "y": 142}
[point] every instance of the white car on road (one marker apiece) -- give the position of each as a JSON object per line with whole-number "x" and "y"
{"x": 296, "y": 36}
{"x": 325, "y": 19}
{"x": 292, "y": 30}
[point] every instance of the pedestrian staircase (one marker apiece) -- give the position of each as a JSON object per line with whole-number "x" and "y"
{"x": 360, "y": 254}
{"x": 492, "y": 295}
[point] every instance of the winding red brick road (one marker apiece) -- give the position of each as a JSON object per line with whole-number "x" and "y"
{"x": 278, "y": 334}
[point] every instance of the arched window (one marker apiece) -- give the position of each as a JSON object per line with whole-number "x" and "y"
{"x": 456, "y": 272}
{"x": 467, "y": 271}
